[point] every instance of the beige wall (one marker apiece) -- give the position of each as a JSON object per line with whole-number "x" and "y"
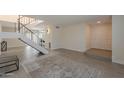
{"x": 12, "y": 42}
{"x": 118, "y": 39}
{"x": 101, "y": 36}
{"x": 9, "y": 18}
{"x": 8, "y": 29}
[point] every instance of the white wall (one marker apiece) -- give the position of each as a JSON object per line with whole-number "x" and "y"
{"x": 73, "y": 37}
{"x": 88, "y": 36}
{"x": 0, "y": 39}
{"x": 81, "y": 37}
{"x": 118, "y": 39}
{"x": 101, "y": 36}
{"x": 54, "y": 37}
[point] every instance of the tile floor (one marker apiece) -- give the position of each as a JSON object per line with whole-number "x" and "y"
{"x": 62, "y": 63}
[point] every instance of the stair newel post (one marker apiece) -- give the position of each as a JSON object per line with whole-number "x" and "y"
{"x": 19, "y": 24}
{"x": 15, "y": 27}
{"x": 29, "y": 20}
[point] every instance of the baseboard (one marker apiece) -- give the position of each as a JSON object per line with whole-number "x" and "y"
{"x": 101, "y": 48}
{"x": 72, "y": 50}
{"x": 118, "y": 61}
{"x": 15, "y": 47}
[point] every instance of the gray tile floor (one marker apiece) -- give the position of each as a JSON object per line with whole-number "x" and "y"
{"x": 62, "y": 63}
{"x": 101, "y": 54}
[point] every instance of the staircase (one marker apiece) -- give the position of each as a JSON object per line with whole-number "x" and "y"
{"x": 26, "y": 35}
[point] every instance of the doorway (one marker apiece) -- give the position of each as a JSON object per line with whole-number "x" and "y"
{"x": 101, "y": 41}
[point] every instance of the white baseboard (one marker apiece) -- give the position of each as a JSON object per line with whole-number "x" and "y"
{"x": 117, "y": 60}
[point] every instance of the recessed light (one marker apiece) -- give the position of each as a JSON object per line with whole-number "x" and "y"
{"x": 98, "y": 22}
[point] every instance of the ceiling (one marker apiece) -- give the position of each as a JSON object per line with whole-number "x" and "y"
{"x": 60, "y": 20}
{"x": 65, "y": 20}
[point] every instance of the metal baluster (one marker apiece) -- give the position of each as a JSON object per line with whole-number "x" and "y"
{"x": 30, "y": 36}
{"x": 28, "y": 20}
{"x": 24, "y": 20}
{"x": 15, "y": 27}
{"x": 19, "y": 24}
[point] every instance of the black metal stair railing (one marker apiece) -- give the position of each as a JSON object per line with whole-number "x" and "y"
{"x": 23, "y": 29}
{"x": 27, "y": 20}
